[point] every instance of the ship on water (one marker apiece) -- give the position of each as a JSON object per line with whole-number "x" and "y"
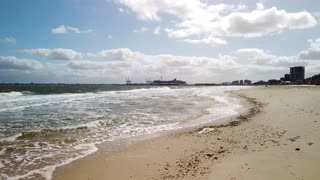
{"x": 173, "y": 82}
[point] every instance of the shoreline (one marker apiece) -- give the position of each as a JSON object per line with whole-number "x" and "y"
{"x": 208, "y": 105}
{"x": 249, "y": 109}
{"x": 195, "y": 153}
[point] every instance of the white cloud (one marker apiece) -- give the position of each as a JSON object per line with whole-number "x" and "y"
{"x": 314, "y": 43}
{"x": 88, "y": 55}
{"x": 87, "y": 65}
{"x": 213, "y": 41}
{"x": 309, "y": 58}
{"x": 113, "y": 65}
{"x": 262, "y": 57}
{"x": 266, "y": 65}
{"x": 313, "y": 53}
{"x": 13, "y": 63}
{"x": 157, "y": 30}
{"x": 313, "y": 68}
{"x": 118, "y": 54}
{"x": 121, "y": 10}
{"x": 68, "y": 29}
{"x": 125, "y": 62}
{"x": 260, "y": 6}
{"x": 142, "y": 29}
{"x": 261, "y": 22}
{"x": 59, "y": 30}
{"x": 109, "y": 36}
{"x": 200, "y": 18}
{"x": 251, "y": 52}
{"x": 57, "y": 54}
{"x": 120, "y": 63}
{"x": 310, "y": 54}
{"x": 9, "y": 40}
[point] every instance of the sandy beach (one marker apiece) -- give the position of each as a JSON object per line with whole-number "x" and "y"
{"x": 278, "y": 138}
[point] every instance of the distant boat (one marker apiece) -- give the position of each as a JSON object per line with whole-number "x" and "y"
{"x": 167, "y": 83}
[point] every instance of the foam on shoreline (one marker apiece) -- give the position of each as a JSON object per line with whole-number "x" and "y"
{"x": 221, "y": 110}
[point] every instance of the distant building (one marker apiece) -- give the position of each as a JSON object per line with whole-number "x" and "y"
{"x": 273, "y": 82}
{"x": 235, "y": 82}
{"x": 247, "y": 82}
{"x": 287, "y": 77}
{"x": 226, "y": 83}
{"x": 241, "y": 82}
{"x": 297, "y": 74}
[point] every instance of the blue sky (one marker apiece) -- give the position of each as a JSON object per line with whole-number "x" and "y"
{"x": 105, "y": 41}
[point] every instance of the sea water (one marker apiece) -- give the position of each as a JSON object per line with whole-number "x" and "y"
{"x": 45, "y": 126}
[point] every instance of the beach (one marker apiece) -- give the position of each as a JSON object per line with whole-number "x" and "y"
{"x": 276, "y": 139}
{"x": 159, "y": 89}
{"x": 48, "y": 126}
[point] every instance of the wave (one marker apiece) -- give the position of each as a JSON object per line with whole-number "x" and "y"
{"x": 15, "y": 93}
{"x": 46, "y": 89}
{"x": 47, "y": 171}
{"x": 49, "y": 133}
{"x": 136, "y": 90}
{"x": 107, "y": 115}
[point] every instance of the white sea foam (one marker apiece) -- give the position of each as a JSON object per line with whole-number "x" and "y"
{"x": 221, "y": 111}
{"x": 108, "y": 116}
{"x": 10, "y": 138}
{"x": 11, "y": 94}
{"x": 47, "y": 171}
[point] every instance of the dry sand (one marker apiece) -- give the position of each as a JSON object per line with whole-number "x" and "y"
{"x": 278, "y": 139}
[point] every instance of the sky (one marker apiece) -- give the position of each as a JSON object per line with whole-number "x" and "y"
{"x": 199, "y": 41}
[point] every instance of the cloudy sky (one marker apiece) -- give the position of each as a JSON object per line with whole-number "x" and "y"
{"x": 105, "y": 41}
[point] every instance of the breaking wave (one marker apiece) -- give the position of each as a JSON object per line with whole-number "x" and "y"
{"x": 39, "y": 132}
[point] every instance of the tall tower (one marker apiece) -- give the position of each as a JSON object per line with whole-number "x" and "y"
{"x": 128, "y": 81}
{"x": 297, "y": 74}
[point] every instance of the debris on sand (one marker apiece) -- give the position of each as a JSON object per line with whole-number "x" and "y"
{"x": 208, "y": 130}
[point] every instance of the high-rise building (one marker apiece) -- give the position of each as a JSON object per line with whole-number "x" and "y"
{"x": 287, "y": 77}
{"x": 297, "y": 74}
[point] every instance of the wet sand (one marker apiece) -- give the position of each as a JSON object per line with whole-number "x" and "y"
{"x": 277, "y": 139}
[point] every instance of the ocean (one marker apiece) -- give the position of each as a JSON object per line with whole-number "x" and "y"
{"x": 45, "y": 126}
